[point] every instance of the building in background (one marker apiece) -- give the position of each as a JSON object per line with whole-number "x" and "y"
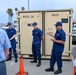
{"x": 15, "y": 25}
{"x": 74, "y": 32}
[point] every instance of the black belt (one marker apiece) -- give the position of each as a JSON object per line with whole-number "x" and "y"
{"x": 1, "y": 61}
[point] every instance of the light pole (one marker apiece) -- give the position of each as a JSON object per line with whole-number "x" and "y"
{"x": 28, "y": 4}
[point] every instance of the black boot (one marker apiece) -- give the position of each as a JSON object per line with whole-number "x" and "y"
{"x": 16, "y": 60}
{"x": 34, "y": 61}
{"x": 8, "y": 59}
{"x": 58, "y": 71}
{"x": 49, "y": 69}
{"x": 39, "y": 63}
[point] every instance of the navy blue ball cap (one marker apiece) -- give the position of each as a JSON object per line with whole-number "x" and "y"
{"x": 9, "y": 23}
{"x": 58, "y": 23}
{"x": 34, "y": 23}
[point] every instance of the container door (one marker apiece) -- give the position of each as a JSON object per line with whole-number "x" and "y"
{"x": 50, "y": 19}
{"x": 26, "y": 20}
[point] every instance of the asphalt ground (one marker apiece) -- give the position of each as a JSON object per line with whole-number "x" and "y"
{"x": 13, "y": 68}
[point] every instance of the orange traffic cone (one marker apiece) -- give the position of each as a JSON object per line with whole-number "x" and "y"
{"x": 74, "y": 70}
{"x": 21, "y": 70}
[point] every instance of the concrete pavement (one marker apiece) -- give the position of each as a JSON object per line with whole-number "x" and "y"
{"x": 13, "y": 68}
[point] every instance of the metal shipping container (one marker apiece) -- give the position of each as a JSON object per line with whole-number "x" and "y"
{"x": 46, "y": 20}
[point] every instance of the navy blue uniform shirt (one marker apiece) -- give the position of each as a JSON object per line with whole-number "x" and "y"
{"x": 37, "y": 34}
{"x": 10, "y": 33}
{"x": 59, "y": 35}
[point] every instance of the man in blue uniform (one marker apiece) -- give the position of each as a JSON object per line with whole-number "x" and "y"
{"x": 4, "y": 51}
{"x": 11, "y": 32}
{"x": 58, "y": 46}
{"x": 36, "y": 44}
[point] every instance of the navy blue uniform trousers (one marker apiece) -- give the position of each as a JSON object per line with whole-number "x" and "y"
{"x": 36, "y": 51}
{"x": 56, "y": 57}
{"x": 13, "y": 48}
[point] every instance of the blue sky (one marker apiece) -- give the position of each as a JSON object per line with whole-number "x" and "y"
{"x": 34, "y": 5}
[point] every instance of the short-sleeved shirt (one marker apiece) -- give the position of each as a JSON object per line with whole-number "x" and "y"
{"x": 59, "y": 35}
{"x": 10, "y": 33}
{"x": 37, "y": 34}
{"x": 4, "y": 44}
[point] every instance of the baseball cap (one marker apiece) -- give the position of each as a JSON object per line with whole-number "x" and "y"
{"x": 34, "y": 23}
{"x": 58, "y": 23}
{"x": 9, "y": 23}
